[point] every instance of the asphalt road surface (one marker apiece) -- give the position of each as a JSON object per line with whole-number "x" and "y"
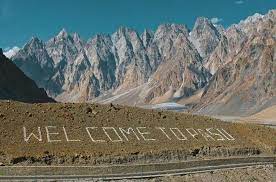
{"x": 128, "y": 171}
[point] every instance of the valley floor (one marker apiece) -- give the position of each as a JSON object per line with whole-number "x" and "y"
{"x": 264, "y": 117}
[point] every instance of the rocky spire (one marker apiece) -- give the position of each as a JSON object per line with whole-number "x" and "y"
{"x": 204, "y": 36}
{"x": 147, "y": 37}
{"x": 63, "y": 33}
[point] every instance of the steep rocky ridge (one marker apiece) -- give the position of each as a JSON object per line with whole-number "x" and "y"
{"x": 247, "y": 81}
{"x": 35, "y": 62}
{"x": 14, "y": 85}
{"x": 205, "y": 36}
{"x": 181, "y": 71}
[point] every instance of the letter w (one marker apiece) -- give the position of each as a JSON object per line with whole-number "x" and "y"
{"x": 39, "y": 137}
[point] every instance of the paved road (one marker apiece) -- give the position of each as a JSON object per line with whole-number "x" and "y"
{"x": 140, "y": 171}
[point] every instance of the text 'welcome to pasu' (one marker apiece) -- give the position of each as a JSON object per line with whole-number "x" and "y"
{"x": 54, "y": 134}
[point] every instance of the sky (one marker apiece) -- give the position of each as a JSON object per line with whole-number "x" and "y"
{"x": 22, "y": 19}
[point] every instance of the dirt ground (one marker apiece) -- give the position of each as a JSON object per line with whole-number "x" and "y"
{"x": 258, "y": 173}
{"x": 89, "y": 134}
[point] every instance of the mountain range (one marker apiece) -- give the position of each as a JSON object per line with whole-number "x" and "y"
{"x": 212, "y": 69}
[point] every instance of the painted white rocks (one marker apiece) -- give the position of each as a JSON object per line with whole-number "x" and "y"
{"x": 54, "y": 134}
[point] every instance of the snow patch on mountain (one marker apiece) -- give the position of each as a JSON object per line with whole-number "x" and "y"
{"x": 11, "y": 52}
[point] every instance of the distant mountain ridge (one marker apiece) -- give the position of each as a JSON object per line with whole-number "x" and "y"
{"x": 166, "y": 65}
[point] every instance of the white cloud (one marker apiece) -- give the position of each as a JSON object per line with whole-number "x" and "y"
{"x": 239, "y": 2}
{"x": 216, "y": 20}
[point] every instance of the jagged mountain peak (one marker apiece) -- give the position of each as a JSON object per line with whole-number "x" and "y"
{"x": 220, "y": 28}
{"x": 64, "y": 47}
{"x": 76, "y": 37}
{"x": 147, "y": 37}
{"x": 202, "y": 20}
{"x": 124, "y": 30}
{"x": 34, "y": 43}
{"x": 202, "y": 25}
{"x": 126, "y": 33}
{"x": 147, "y": 33}
{"x": 205, "y": 36}
{"x": 272, "y": 13}
{"x": 172, "y": 27}
{"x": 98, "y": 41}
{"x": 100, "y": 37}
{"x": 62, "y": 34}
{"x": 253, "y": 18}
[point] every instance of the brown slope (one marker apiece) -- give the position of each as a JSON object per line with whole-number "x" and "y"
{"x": 152, "y": 145}
{"x": 14, "y": 85}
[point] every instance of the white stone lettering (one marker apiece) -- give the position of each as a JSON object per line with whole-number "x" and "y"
{"x": 124, "y": 134}
{"x": 116, "y": 133}
{"x": 163, "y": 131}
{"x": 128, "y": 132}
{"x": 39, "y": 137}
{"x": 192, "y": 132}
{"x": 205, "y": 134}
{"x": 66, "y": 136}
{"x": 47, "y": 128}
{"x": 143, "y": 133}
{"x": 88, "y": 131}
{"x": 228, "y": 137}
{"x": 181, "y": 137}
{"x": 220, "y": 137}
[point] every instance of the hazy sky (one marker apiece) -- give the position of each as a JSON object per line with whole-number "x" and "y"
{"x": 22, "y": 19}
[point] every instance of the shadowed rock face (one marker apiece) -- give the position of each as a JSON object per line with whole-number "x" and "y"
{"x": 35, "y": 62}
{"x": 14, "y": 85}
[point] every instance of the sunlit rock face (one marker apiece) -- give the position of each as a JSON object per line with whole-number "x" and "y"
{"x": 205, "y": 37}
{"x": 181, "y": 71}
{"x": 245, "y": 81}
